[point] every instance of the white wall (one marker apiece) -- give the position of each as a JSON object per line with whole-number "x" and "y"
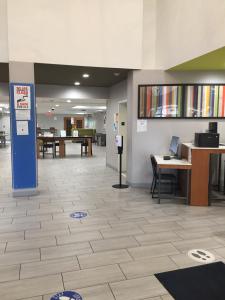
{"x": 187, "y": 29}
{"x": 149, "y": 34}
{"x": 157, "y": 138}
{"x": 118, "y": 92}
{"x": 3, "y": 32}
{"x": 100, "y": 33}
{"x": 98, "y": 119}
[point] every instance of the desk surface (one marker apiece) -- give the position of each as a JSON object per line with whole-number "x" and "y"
{"x": 172, "y": 163}
{"x": 192, "y": 146}
{"x": 53, "y": 138}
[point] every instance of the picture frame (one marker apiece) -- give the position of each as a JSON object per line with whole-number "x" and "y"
{"x": 181, "y": 101}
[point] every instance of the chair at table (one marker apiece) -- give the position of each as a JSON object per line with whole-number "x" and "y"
{"x": 49, "y": 145}
{"x": 84, "y": 147}
{"x": 165, "y": 178}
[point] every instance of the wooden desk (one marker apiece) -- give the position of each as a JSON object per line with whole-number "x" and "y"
{"x": 200, "y": 158}
{"x": 61, "y": 141}
{"x": 177, "y": 164}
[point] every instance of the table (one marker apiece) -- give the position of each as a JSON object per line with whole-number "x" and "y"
{"x": 3, "y": 139}
{"x": 61, "y": 141}
{"x": 200, "y": 158}
{"x": 177, "y": 164}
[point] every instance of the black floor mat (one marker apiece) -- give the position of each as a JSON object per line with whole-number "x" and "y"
{"x": 206, "y": 282}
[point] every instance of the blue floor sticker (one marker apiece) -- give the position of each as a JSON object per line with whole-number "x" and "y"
{"x": 78, "y": 215}
{"x": 67, "y": 295}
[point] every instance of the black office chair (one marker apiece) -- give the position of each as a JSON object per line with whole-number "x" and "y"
{"x": 48, "y": 145}
{"x": 84, "y": 147}
{"x": 164, "y": 179}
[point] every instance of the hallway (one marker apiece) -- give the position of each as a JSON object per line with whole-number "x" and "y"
{"x": 113, "y": 253}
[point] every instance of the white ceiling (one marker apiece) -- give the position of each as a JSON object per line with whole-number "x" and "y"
{"x": 44, "y": 105}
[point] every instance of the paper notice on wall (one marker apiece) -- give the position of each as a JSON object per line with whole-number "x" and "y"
{"x": 141, "y": 125}
{"x": 22, "y": 128}
{"x": 23, "y": 114}
{"x": 22, "y": 97}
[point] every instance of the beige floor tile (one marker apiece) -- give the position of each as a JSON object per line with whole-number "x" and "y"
{"x": 99, "y": 292}
{"x": 136, "y": 289}
{"x": 8, "y": 273}
{"x": 203, "y": 243}
{"x": 103, "y": 258}
{"x": 160, "y": 227}
{"x": 32, "y": 219}
{"x": 18, "y": 227}
{"x": 75, "y": 228}
{"x": 91, "y": 277}
{"x": 30, "y": 244}
{"x": 34, "y": 298}
{"x": 146, "y": 267}
{"x": 11, "y": 236}
{"x": 118, "y": 232}
{"x": 156, "y": 238}
{"x": 79, "y": 237}
{"x": 25, "y": 288}
{"x": 152, "y": 251}
{"x": 113, "y": 244}
{"x": 48, "y": 267}
{"x": 13, "y": 258}
{"x": 65, "y": 251}
{"x": 41, "y": 233}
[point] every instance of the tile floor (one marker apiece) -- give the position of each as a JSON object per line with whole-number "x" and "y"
{"x": 113, "y": 253}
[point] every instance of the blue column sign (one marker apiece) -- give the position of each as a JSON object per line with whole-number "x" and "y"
{"x": 23, "y": 139}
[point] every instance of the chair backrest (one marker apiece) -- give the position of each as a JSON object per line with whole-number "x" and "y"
{"x": 154, "y": 166}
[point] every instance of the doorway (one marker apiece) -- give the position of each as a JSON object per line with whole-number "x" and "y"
{"x": 122, "y": 130}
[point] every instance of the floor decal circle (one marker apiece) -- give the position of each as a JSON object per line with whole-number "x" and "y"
{"x": 78, "y": 215}
{"x": 67, "y": 295}
{"x": 201, "y": 255}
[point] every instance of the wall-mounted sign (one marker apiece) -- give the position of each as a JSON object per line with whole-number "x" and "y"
{"x": 67, "y": 295}
{"x": 22, "y": 97}
{"x": 119, "y": 141}
{"x": 22, "y": 128}
{"x": 141, "y": 125}
{"x": 23, "y": 114}
{"x": 78, "y": 215}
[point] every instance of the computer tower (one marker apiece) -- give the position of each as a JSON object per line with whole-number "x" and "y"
{"x": 207, "y": 140}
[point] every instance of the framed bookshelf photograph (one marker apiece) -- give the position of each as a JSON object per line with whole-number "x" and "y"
{"x": 181, "y": 101}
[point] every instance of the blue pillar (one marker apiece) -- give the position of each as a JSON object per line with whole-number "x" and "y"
{"x": 23, "y": 129}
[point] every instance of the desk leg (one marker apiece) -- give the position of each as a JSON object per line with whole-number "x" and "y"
{"x": 159, "y": 186}
{"x": 89, "y": 148}
{"x": 62, "y": 149}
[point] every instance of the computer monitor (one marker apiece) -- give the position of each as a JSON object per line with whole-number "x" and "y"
{"x": 212, "y": 127}
{"x": 174, "y": 145}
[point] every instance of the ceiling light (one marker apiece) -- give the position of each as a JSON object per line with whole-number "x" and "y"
{"x": 80, "y": 113}
{"x": 102, "y": 107}
{"x": 68, "y": 101}
{"x": 76, "y": 83}
{"x": 57, "y": 105}
{"x": 86, "y": 75}
{"x": 79, "y": 107}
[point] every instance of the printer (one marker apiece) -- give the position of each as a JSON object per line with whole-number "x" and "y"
{"x": 207, "y": 140}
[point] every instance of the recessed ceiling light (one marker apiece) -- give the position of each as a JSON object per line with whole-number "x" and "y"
{"x": 57, "y": 105}
{"x": 79, "y": 107}
{"x": 68, "y": 101}
{"x": 86, "y": 75}
{"x": 76, "y": 83}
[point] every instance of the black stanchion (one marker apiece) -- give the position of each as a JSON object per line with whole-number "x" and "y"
{"x": 120, "y": 151}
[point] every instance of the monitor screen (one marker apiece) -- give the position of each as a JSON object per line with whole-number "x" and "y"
{"x": 174, "y": 145}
